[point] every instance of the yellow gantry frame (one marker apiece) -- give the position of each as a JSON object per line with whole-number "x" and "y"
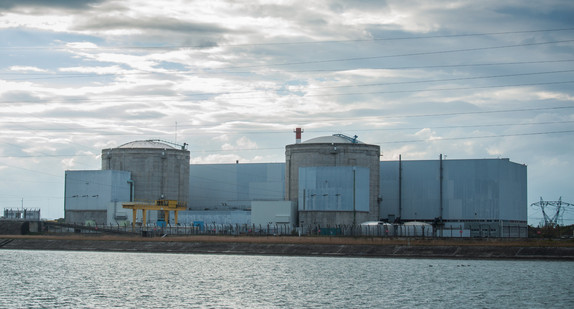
{"x": 164, "y": 205}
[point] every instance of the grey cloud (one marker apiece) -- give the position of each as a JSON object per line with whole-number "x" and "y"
{"x": 126, "y": 111}
{"x": 57, "y": 4}
{"x": 286, "y": 12}
{"x": 491, "y": 16}
{"x": 148, "y": 91}
{"x": 342, "y": 6}
{"x": 157, "y": 29}
{"x": 305, "y": 21}
{"x": 556, "y": 14}
{"x": 157, "y": 23}
{"x": 19, "y": 96}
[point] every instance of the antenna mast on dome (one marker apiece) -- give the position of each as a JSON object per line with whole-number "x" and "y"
{"x": 182, "y": 147}
{"x": 353, "y": 139}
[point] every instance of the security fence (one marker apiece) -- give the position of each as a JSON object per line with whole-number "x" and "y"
{"x": 381, "y": 230}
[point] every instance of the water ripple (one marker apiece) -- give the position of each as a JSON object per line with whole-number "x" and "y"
{"x": 56, "y": 279}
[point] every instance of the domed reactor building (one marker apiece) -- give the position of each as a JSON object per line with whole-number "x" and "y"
{"x": 333, "y": 180}
{"x": 158, "y": 170}
{"x": 141, "y": 171}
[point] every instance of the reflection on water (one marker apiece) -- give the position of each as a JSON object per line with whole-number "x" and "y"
{"x": 54, "y": 279}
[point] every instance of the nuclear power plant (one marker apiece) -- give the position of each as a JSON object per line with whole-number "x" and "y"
{"x": 325, "y": 181}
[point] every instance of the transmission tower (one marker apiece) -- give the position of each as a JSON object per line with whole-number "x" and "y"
{"x": 552, "y": 210}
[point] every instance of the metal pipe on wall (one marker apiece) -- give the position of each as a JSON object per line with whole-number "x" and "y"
{"x": 440, "y": 186}
{"x": 400, "y": 187}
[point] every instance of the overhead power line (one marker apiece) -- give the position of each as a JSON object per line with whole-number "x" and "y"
{"x": 395, "y": 55}
{"x": 464, "y": 126}
{"x": 375, "y": 39}
{"x": 182, "y": 98}
{"x": 437, "y": 89}
{"x": 276, "y": 148}
{"x": 438, "y": 66}
{"x": 49, "y": 75}
{"x": 483, "y": 112}
{"x": 182, "y": 125}
{"x": 401, "y": 55}
{"x": 78, "y": 131}
{"x": 478, "y": 137}
{"x": 445, "y": 79}
{"x": 411, "y": 141}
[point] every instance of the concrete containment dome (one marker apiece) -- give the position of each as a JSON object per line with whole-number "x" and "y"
{"x": 333, "y": 180}
{"x": 158, "y": 170}
{"x": 147, "y": 144}
{"x": 333, "y": 139}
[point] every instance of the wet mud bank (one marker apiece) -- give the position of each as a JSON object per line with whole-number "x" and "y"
{"x": 565, "y": 253}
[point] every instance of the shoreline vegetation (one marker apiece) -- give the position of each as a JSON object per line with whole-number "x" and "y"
{"x": 493, "y": 248}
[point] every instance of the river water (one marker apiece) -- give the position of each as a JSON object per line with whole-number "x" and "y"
{"x": 68, "y": 279}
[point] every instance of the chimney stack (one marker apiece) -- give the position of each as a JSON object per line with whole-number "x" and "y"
{"x": 298, "y": 132}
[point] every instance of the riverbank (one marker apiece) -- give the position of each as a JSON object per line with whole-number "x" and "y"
{"x": 303, "y": 246}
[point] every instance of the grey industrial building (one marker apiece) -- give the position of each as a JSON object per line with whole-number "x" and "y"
{"x": 96, "y": 196}
{"x": 482, "y": 196}
{"x": 330, "y": 180}
{"x": 333, "y": 180}
{"x": 143, "y": 171}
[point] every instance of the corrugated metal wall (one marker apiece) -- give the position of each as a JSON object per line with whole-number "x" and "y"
{"x": 481, "y": 189}
{"x": 234, "y": 186}
{"x": 333, "y": 188}
{"x": 89, "y": 193}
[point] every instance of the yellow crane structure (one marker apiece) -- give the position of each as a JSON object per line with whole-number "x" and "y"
{"x": 163, "y": 205}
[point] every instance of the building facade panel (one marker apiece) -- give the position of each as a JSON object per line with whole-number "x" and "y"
{"x": 330, "y": 188}
{"x": 420, "y": 190}
{"x": 88, "y": 194}
{"x": 513, "y": 192}
{"x": 475, "y": 190}
{"x": 234, "y": 186}
{"x": 273, "y": 213}
{"x": 390, "y": 192}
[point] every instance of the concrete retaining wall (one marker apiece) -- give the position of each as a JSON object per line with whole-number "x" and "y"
{"x": 388, "y": 251}
{"x": 19, "y": 227}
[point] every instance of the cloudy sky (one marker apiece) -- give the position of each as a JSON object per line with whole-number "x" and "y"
{"x": 468, "y": 79}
